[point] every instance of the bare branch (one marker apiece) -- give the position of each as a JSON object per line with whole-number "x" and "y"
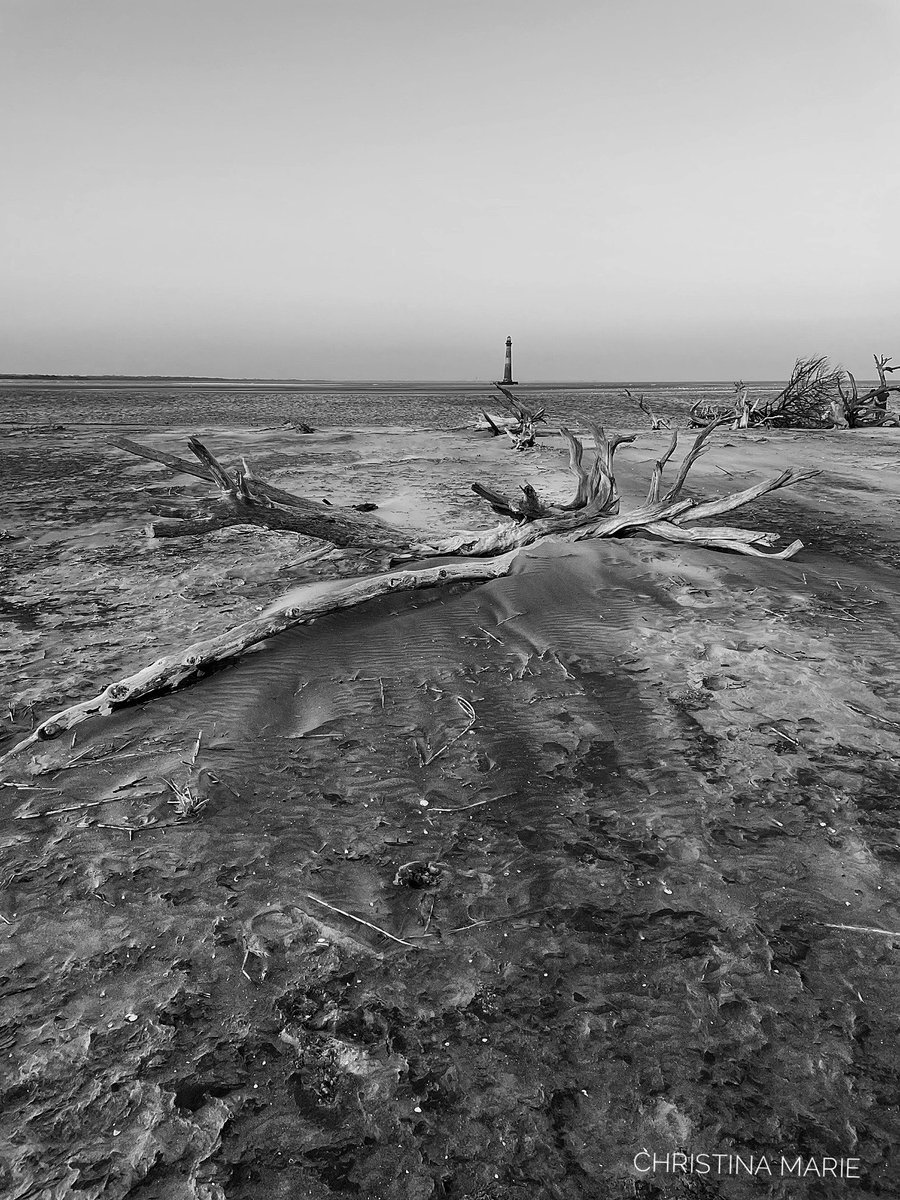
{"x": 699, "y": 447}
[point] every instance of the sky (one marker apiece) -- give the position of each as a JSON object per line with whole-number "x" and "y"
{"x": 351, "y": 189}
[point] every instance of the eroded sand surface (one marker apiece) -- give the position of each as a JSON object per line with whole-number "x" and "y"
{"x": 636, "y": 866}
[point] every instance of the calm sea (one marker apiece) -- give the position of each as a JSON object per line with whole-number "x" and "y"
{"x": 264, "y": 403}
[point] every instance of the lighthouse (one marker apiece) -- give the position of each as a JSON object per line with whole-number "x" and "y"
{"x": 507, "y": 365}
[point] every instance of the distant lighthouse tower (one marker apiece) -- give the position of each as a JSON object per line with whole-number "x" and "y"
{"x": 507, "y": 366}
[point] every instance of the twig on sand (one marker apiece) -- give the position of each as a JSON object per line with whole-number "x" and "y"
{"x": 861, "y": 929}
{"x": 786, "y": 736}
{"x": 568, "y": 674}
{"x": 487, "y": 633}
{"x": 477, "y": 804}
{"x": 430, "y": 914}
{"x": 359, "y": 921}
{"x": 470, "y": 714}
{"x": 528, "y": 912}
{"x": 28, "y": 787}
{"x": 54, "y": 812}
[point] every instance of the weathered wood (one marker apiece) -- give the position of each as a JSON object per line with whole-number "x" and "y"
{"x": 656, "y": 423}
{"x": 735, "y": 500}
{"x": 248, "y": 501}
{"x": 172, "y": 670}
{"x": 523, "y": 434}
{"x": 656, "y": 481}
{"x": 699, "y": 447}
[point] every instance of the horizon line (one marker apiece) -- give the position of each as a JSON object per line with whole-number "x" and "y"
{"x": 370, "y": 381}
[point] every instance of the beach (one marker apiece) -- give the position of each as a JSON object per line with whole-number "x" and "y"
{"x": 480, "y": 891}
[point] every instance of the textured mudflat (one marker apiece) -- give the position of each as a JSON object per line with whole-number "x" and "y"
{"x": 608, "y": 913}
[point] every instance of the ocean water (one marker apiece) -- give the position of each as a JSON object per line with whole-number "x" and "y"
{"x": 264, "y": 403}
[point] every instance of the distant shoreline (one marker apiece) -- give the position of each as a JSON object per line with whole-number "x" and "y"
{"x": 146, "y": 382}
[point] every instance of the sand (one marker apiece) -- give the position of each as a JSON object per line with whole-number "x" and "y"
{"x": 654, "y": 873}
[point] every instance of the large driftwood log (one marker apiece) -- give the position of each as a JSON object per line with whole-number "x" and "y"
{"x": 172, "y": 670}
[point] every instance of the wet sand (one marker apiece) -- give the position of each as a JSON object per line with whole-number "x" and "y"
{"x": 641, "y": 898}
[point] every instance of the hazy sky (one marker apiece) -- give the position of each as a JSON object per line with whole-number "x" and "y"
{"x": 387, "y": 188}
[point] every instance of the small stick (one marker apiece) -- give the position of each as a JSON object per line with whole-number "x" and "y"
{"x": 861, "y": 929}
{"x": 529, "y": 912}
{"x": 430, "y": 914}
{"x": 381, "y": 686}
{"x": 784, "y": 735}
{"x": 82, "y": 758}
{"x": 28, "y": 787}
{"x": 511, "y": 617}
{"x": 490, "y": 635}
{"x": 197, "y": 747}
{"x": 477, "y": 804}
{"x": 54, "y": 812}
{"x": 558, "y": 662}
{"x": 113, "y": 754}
{"x": 368, "y": 924}
{"x": 470, "y": 713}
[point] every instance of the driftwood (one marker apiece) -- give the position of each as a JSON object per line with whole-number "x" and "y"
{"x": 245, "y": 500}
{"x": 169, "y": 672}
{"x": 855, "y": 410}
{"x": 593, "y": 512}
{"x": 656, "y": 423}
{"x": 816, "y": 396}
{"x": 523, "y": 433}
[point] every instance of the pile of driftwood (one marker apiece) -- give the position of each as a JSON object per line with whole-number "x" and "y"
{"x": 520, "y": 426}
{"x": 817, "y": 396}
{"x": 593, "y": 511}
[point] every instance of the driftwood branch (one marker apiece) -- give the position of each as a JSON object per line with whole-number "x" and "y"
{"x": 245, "y": 500}
{"x": 656, "y": 423}
{"x": 172, "y": 670}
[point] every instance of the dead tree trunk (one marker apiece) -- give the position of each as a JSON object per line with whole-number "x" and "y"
{"x": 593, "y": 512}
